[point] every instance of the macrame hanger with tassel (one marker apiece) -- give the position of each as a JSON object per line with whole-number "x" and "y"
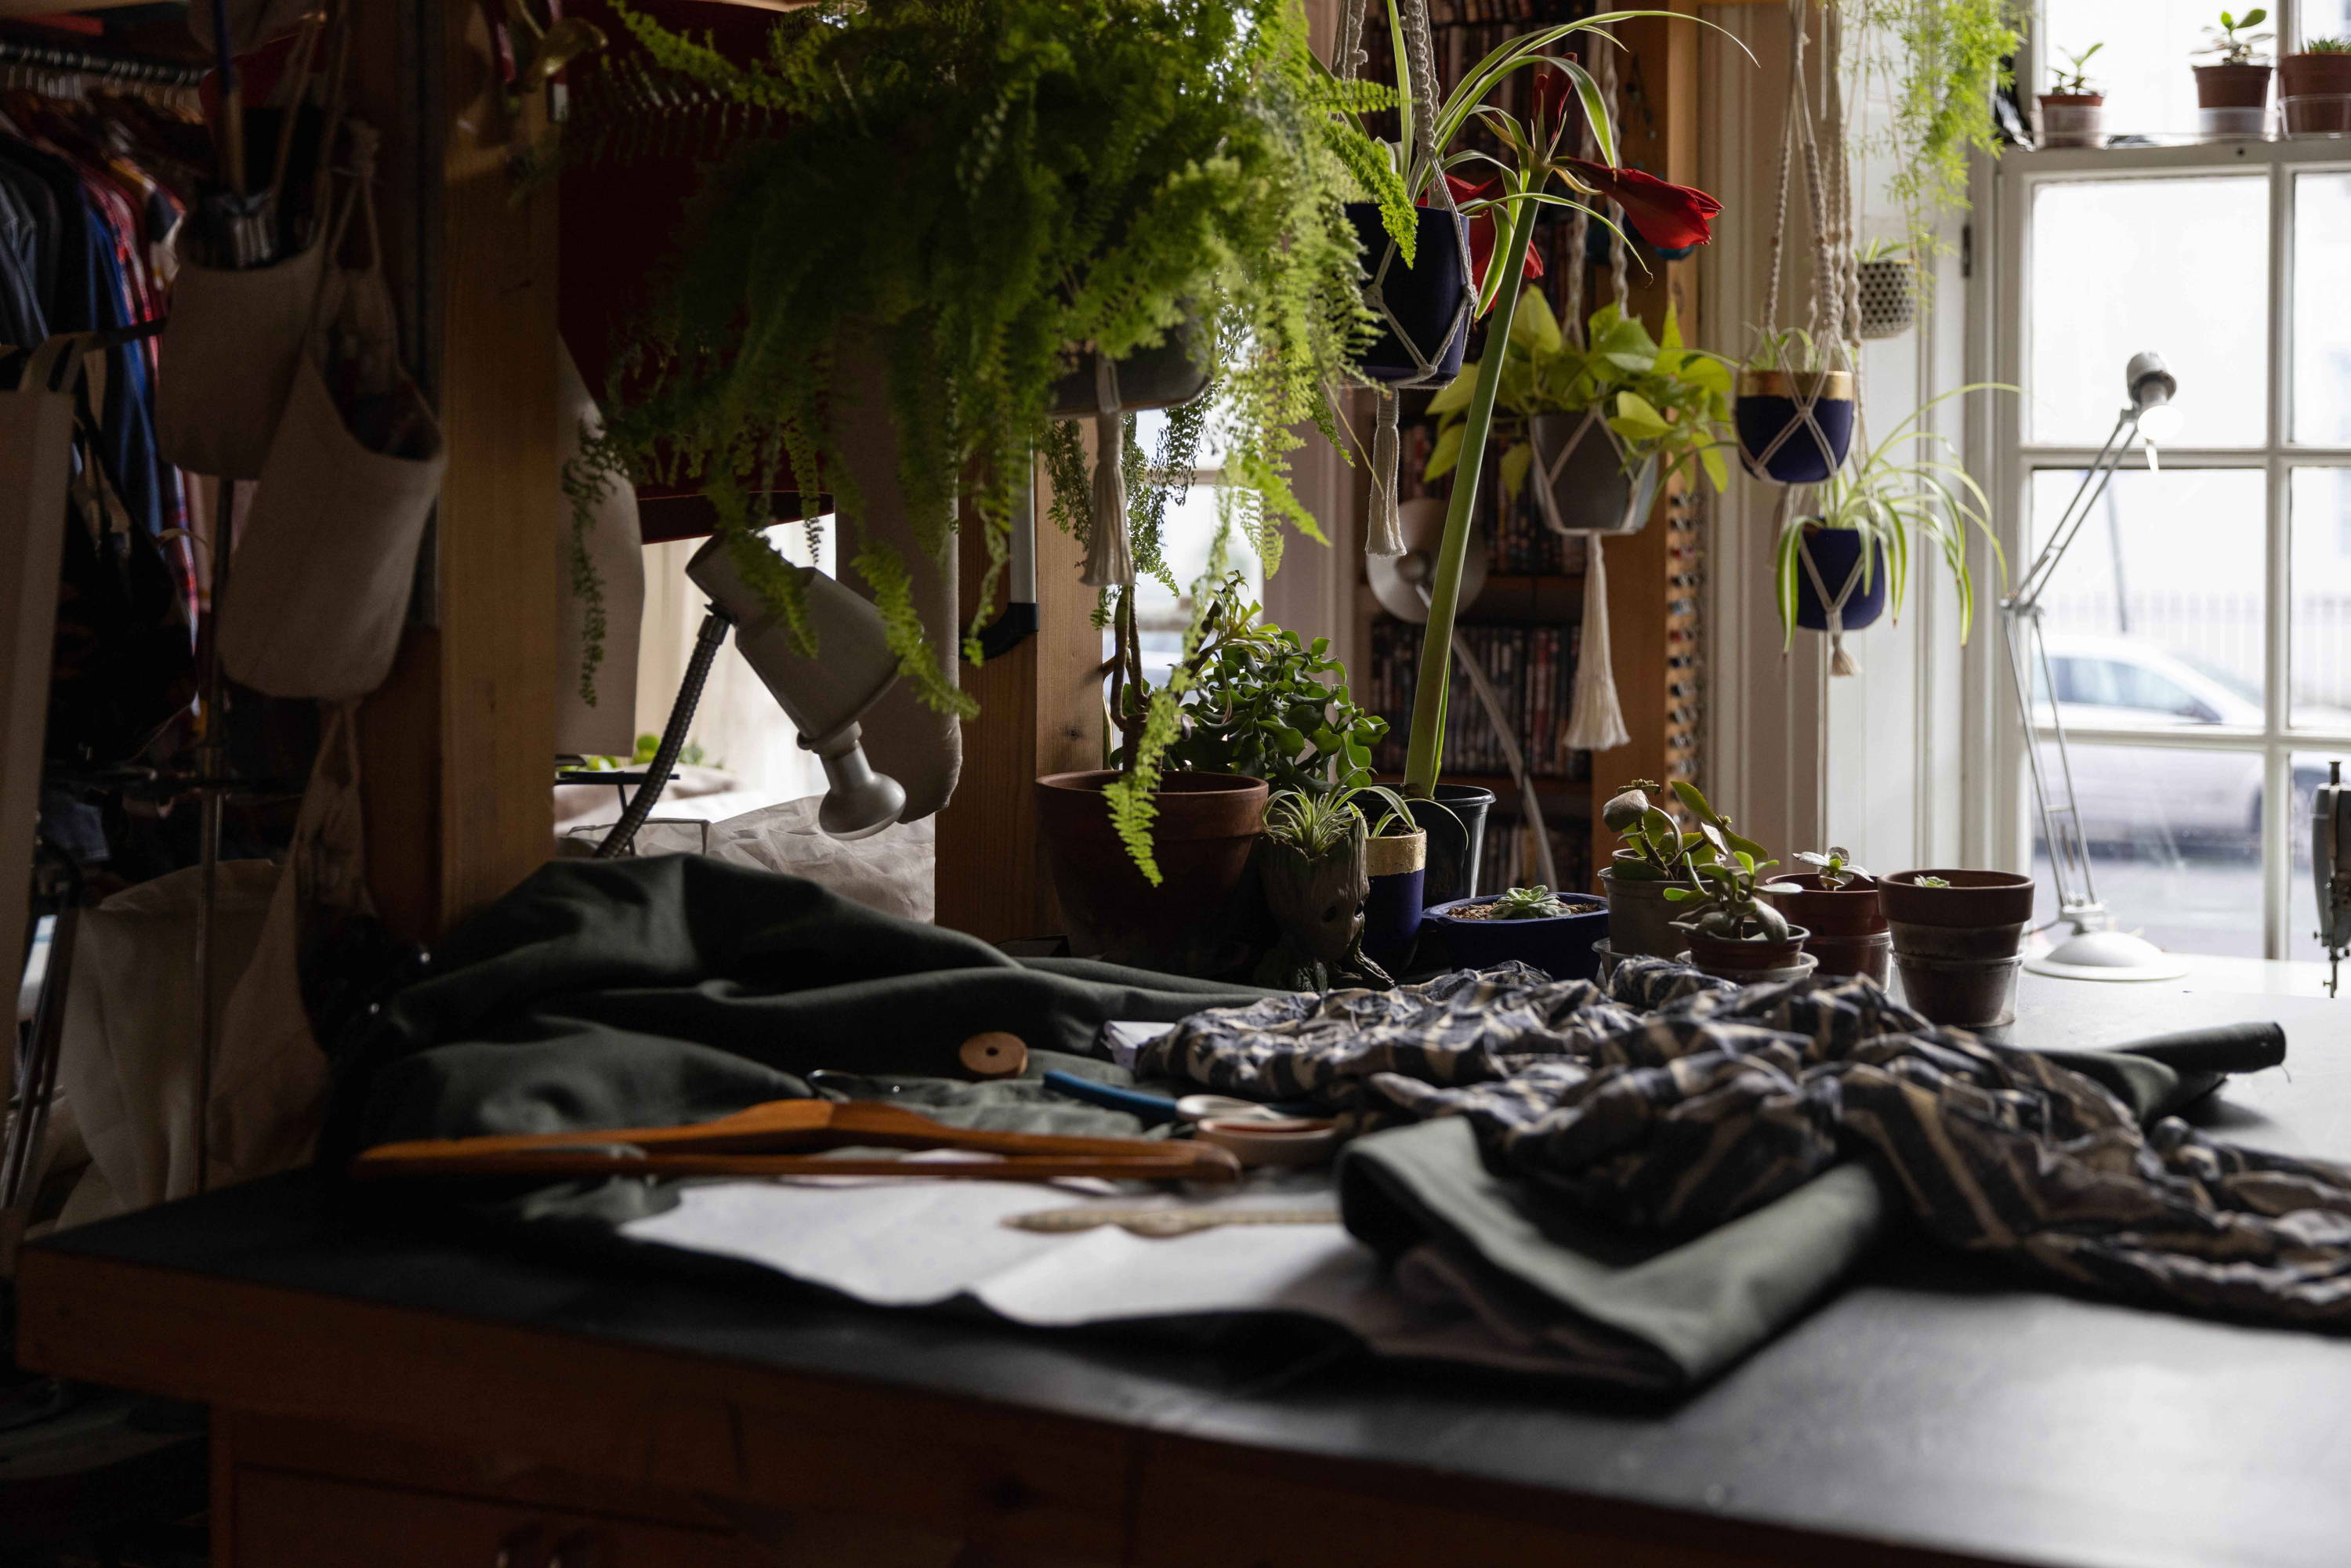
{"x": 1109, "y": 547}
{"x": 1382, "y": 531}
{"x": 1832, "y": 607}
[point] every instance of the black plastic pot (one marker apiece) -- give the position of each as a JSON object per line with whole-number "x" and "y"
{"x": 1769, "y": 402}
{"x": 1837, "y": 553}
{"x": 1592, "y": 493}
{"x": 1560, "y": 945}
{"x": 1171, "y": 371}
{"x": 1426, "y": 297}
{"x": 1456, "y": 825}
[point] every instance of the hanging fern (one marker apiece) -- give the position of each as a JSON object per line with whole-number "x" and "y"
{"x": 1934, "y": 67}
{"x": 977, "y": 190}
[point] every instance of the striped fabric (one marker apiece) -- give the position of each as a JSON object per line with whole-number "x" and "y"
{"x": 1672, "y": 1103}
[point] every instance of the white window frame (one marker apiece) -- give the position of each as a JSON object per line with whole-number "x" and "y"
{"x": 2002, "y": 350}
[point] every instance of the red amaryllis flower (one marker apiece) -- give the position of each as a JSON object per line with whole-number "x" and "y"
{"x": 1669, "y": 216}
{"x": 1482, "y": 231}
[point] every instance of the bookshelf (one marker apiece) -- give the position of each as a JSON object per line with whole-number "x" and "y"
{"x": 1530, "y": 609}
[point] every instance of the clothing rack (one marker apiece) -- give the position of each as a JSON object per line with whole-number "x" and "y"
{"x": 81, "y": 62}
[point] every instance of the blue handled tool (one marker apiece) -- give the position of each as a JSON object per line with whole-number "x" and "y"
{"x": 1154, "y": 1109}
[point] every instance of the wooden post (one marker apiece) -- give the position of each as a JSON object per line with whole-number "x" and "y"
{"x": 458, "y": 747}
{"x": 1040, "y": 712}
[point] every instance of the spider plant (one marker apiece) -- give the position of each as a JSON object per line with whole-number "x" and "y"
{"x": 1910, "y": 489}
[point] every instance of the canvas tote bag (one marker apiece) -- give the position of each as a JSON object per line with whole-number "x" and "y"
{"x": 328, "y": 551}
{"x": 36, "y": 431}
{"x": 227, "y": 358}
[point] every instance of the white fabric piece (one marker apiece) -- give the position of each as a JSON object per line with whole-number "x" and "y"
{"x": 895, "y": 871}
{"x": 916, "y": 1243}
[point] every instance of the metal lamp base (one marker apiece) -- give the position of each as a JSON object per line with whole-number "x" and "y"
{"x": 2106, "y": 956}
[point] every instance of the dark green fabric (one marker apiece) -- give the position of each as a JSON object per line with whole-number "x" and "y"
{"x": 675, "y": 989}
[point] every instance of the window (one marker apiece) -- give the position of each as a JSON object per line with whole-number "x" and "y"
{"x": 1188, "y": 539}
{"x": 2199, "y": 628}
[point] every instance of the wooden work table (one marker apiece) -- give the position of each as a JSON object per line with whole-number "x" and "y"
{"x": 390, "y": 1395}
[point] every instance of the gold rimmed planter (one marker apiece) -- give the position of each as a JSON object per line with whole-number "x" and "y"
{"x": 1776, "y": 436}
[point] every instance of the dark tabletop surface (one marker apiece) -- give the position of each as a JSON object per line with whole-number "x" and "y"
{"x": 1935, "y": 1402}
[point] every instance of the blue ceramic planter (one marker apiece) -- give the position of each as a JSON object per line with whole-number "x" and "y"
{"x": 1561, "y": 946}
{"x": 1424, "y": 296}
{"x": 1392, "y": 917}
{"x": 1768, "y": 404}
{"x": 1837, "y": 553}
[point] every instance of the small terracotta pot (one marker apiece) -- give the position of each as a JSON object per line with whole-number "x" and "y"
{"x": 1957, "y": 945}
{"x": 2073, "y": 119}
{"x": 1974, "y": 898}
{"x": 1746, "y": 962}
{"x": 2314, "y": 92}
{"x": 1961, "y": 993}
{"x": 1195, "y": 921}
{"x": 2232, "y": 101}
{"x": 1641, "y": 918}
{"x": 1849, "y": 935}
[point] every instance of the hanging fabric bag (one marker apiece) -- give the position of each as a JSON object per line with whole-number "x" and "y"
{"x": 325, "y": 562}
{"x": 227, "y": 360}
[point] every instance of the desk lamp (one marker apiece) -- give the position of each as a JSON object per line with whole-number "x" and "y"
{"x": 2096, "y": 951}
{"x": 823, "y": 696}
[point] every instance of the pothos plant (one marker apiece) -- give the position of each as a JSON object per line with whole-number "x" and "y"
{"x": 1935, "y": 67}
{"x": 1662, "y": 399}
{"x": 981, "y": 190}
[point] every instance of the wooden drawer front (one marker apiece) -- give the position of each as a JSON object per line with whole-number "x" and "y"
{"x": 287, "y": 1520}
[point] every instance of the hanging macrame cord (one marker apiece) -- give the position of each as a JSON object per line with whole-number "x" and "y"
{"x": 1110, "y": 549}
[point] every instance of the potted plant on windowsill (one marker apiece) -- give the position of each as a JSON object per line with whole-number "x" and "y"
{"x": 1837, "y": 904}
{"x": 1603, "y": 423}
{"x": 2072, "y": 112}
{"x": 1839, "y": 570}
{"x": 1733, "y": 934}
{"x": 2315, "y": 86}
{"x": 1558, "y": 932}
{"x": 1956, "y": 940}
{"x": 2232, "y": 93}
{"x": 1794, "y": 415}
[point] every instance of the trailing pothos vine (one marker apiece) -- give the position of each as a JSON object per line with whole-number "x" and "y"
{"x": 970, "y": 192}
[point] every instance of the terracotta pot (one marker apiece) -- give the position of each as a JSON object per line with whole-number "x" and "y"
{"x": 1641, "y": 918}
{"x": 2073, "y": 119}
{"x": 1957, "y": 945}
{"x": 2314, "y": 92}
{"x": 1749, "y": 963}
{"x": 2232, "y": 101}
{"x": 1849, "y": 933}
{"x": 1398, "y": 865}
{"x": 1961, "y": 993}
{"x": 1771, "y": 402}
{"x": 1974, "y": 898}
{"x": 1195, "y": 921}
{"x": 1560, "y": 945}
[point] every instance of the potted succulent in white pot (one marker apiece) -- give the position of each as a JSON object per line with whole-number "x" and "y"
{"x": 2315, "y": 86}
{"x": 2074, "y": 113}
{"x": 1733, "y": 934}
{"x": 2232, "y": 93}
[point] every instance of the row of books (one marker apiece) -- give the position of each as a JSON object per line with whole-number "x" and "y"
{"x": 1485, "y": 13}
{"x": 1533, "y": 669}
{"x": 1510, "y": 859}
{"x": 1518, "y": 543}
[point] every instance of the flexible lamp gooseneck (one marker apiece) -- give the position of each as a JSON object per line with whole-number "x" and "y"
{"x": 2096, "y": 951}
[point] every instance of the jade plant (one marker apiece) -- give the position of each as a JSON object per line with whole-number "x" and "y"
{"x": 2233, "y": 42}
{"x": 1654, "y": 847}
{"x": 2075, "y": 80}
{"x": 1724, "y": 904}
{"x": 1662, "y": 399}
{"x": 1836, "y": 872}
{"x": 982, "y": 190}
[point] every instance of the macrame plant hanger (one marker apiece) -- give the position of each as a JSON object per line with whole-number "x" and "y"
{"x": 1833, "y": 318}
{"x": 1595, "y": 715}
{"x": 1382, "y": 534}
{"x": 1110, "y": 547}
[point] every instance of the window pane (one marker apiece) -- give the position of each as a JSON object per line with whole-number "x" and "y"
{"x": 2174, "y": 843}
{"x": 1189, "y": 537}
{"x": 2154, "y": 618}
{"x": 2144, "y": 68}
{"x": 2302, "y": 927}
{"x": 2321, "y": 512}
{"x": 2322, "y": 316}
{"x": 2175, "y": 266}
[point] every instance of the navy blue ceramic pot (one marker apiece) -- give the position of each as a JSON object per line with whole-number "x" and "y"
{"x": 1768, "y": 404}
{"x": 1560, "y": 945}
{"x": 1399, "y": 872}
{"x": 1424, "y": 297}
{"x": 1837, "y": 553}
